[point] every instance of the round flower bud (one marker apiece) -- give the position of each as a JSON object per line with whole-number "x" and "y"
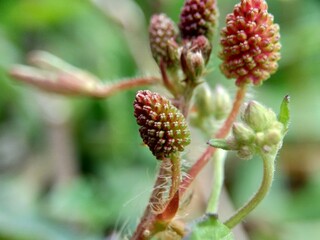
{"x": 250, "y": 43}
{"x": 242, "y": 133}
{"x": 198, "y": 17}
{"x": 162, "y": 34}
{"x": 221, "y": 102}
{"x": 258, "y": 117}
{"x": 162, "y": 127}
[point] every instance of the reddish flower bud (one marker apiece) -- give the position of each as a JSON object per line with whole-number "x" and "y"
{"x": 162, "y": 33}
{"x": 198, "y": 17}
{"x": 162, "y": 127}
{"x": 250, "y": 43}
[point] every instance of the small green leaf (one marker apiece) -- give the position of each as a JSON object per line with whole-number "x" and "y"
{"x": 219, "y": 143}
{"x": 210, "y": 228}
{"x": 284, "y": 115}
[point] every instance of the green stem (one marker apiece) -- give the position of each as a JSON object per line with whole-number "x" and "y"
{"x": 268, "y": 173}
{"x": 218, "y": 178}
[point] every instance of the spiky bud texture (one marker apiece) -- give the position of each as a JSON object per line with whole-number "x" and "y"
{"x": 198, "y": 17}
{"x": 162, "y": 34}
{"x": 250, "y": 43}
{"x": 162, "y": 127}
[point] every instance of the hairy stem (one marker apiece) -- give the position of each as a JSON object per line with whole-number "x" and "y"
{"x": 109, "y": 90}
{"x": 175, "y": 175}
{"x": 218, "y": 178}
{"x": 148, "y": 217}
{"x": 268, "y": 173}
{"x": 169, "y": 209}
{"x": 223, "y": 132}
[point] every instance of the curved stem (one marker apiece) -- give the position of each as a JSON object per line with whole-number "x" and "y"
{"x": 218, "y": 178}
{"x": 223, "y": 132}
{"x": 268, "y": 173}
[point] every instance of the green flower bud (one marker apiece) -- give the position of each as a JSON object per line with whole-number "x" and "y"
{"x": 221, "y": 103}
{"x": 204, "y": 100}
{"x": 242, "y": 133}
{"x": 245, "y": 153}
{"x": 260, "y": 132}
{"x": 258, "y": 117}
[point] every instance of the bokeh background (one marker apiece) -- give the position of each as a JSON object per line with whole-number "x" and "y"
{"x": 74, "y": 168}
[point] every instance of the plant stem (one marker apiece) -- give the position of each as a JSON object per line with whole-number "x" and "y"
{"x": 74, "y": 83}
{"x": 166, "y": 81}
{"x": 218, "y": 178}
{"x": 222, "y": 133}
{"x": 167, "y": 210}
{"x": 175, "y": 175}
{"x": 108, "y": 90}
{"x": 148, "y": 217}
{"x": 268, "y": 173}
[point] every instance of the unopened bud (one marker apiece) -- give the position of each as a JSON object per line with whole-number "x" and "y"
{"x": 221, "y": 102}
{"x": 258, "y": 117}
{"x": 162, "y": 34}
{"x": 162, "y": 127}
{"x": 250, "y": 43}
{"x": 198, "y": 17}
{"x": 193, "y": 65}
{"x": 245, "y": 153}
{"x": 242, "y": 133}
{"x": 204, "y": 100}
{"x": 203, "y": 45}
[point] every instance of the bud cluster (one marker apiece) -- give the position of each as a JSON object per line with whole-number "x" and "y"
{"x": 197, "y": 22}
{"x": 250, "y": 43}
{"x": 162, "y": 127}
{"x": 259, "y": 131}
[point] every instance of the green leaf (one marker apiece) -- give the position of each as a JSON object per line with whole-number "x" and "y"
{"x": 284, "y": 115}
{"x": 210, "y": 228}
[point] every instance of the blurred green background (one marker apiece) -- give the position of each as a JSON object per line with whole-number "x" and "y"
{"x": 74, "y": 168}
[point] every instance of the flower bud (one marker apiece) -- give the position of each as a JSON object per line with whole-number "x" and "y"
{"x": 204, "y": 100}
{"x": 193, "y": 65}
{"x": 162, "y": 34}
{"x": 260, "y": 132}
{"x": 162, "y": 127}
{"x": 242, "y": 133}
{"x": 258, "y": 117}
{"x": 250, "y": 43}
{"x": 221, "y": 103}
{"x": 198, "y": 17}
